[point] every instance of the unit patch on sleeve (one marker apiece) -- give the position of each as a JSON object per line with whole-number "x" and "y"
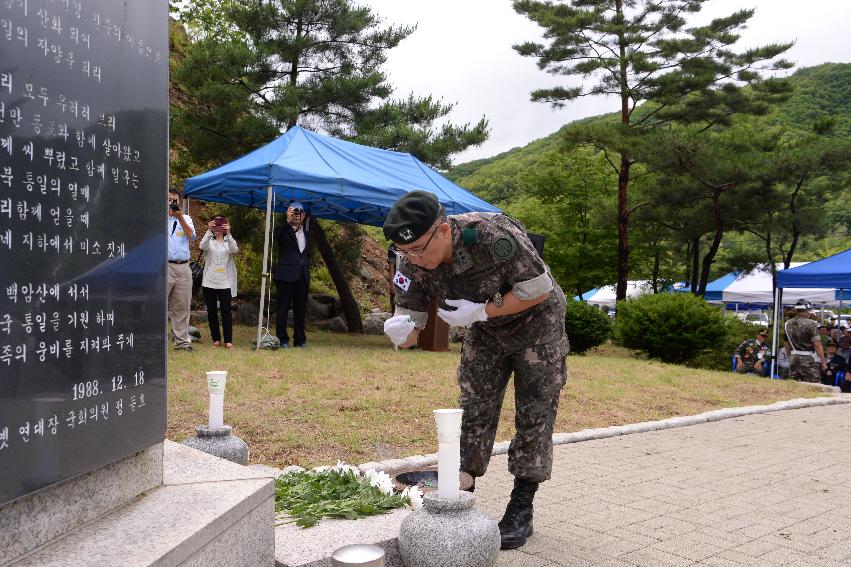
{"x": 401, "y": 280}
{"x": 503, "y": 247}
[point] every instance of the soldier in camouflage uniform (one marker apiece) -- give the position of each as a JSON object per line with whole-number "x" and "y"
{"x": 750, "y": 354}
{"x": 803, "y": 336}
{"x": 484, "y": 273}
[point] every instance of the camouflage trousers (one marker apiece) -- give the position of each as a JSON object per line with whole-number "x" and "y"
{"x": 802, "y": 367}
{"x": 540, "y": 372}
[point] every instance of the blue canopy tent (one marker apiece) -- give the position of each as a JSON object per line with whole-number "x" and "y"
{"x": 334, "y": 179}
{"x": 833, "y": 271}
{"x": 714, "y": 289}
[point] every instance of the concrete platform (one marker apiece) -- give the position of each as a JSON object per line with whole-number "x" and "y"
{"x": 207, "y": 512}
{"x": 768, "y": 489}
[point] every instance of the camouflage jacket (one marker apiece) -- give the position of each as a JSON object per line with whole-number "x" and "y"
{"x": 490, "y": 253}
{"x": 802, "y": 333}
{"x": 749, "y": 352}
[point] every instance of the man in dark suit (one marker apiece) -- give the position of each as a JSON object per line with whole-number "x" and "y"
{"x": 292, "y": 274}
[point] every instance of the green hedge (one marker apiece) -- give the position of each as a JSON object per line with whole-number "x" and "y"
{"x": 673, "y": 327}
{"x": 586, "y": 326}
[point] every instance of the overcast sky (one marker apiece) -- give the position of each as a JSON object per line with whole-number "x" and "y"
{"x": 461, "y": 53}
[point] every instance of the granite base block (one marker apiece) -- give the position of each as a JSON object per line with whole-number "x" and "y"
{"x": 208, "y": 511}
{"x": 37, "y": 519}
{"x": 243, "y": 545}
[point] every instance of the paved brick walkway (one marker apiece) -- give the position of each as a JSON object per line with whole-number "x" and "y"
{"x": 769, "y": 489}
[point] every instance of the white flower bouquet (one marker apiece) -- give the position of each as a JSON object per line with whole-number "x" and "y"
{"x": 341, "y": 491}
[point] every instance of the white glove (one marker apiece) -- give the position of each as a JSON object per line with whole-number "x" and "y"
{"x": 465, "y": 314}
{"x": 398, "y": 328}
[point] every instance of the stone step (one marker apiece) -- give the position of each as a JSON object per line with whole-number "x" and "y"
{"x": 208, "y": 512}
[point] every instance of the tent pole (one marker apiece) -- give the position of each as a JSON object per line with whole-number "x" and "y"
{"x": 265, "y": 265}
{"x": 778, "y": 295}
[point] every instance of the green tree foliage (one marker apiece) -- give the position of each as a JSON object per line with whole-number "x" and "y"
{"x": 709, "y": 178}
{"x": 820, "y": 92}
{"x": 660, "y": 69}
{"x": 255, "y": 68}
{"x": 569, "y": 204}
{"x": 802, "y": 176}
{"x": 673, "y": 327}
{"x": 672, "y": 226}
{"x": 586, "y": 326}
{"x": 259, "y": 67}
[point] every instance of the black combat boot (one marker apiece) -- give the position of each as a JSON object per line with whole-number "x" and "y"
{"x": 516, "y": 524}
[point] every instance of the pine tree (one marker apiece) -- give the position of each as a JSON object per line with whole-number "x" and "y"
{"x": 259, "y": 67}
{"x": 660, "y": 69}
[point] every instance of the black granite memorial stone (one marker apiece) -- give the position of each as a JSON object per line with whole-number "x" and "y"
{"x": 83, "y": 180}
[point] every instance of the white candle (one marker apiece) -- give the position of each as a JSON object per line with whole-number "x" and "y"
{"x": 448, "y": 451}
{"x": 216, "y": 380}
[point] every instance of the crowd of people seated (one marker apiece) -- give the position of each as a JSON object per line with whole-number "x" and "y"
{"x": 753, "y": 356}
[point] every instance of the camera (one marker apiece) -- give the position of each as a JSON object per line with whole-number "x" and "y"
{"x": 173, "y": 206}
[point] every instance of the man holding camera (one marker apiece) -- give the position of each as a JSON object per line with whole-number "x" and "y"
{"x": 179, "y": 283}
{"x": 292, "y": 275}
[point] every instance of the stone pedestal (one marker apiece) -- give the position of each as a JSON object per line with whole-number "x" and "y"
{"x": 219, "y": 442}
{"x": 187, "y": 508}
{"x": 448, "y": 533}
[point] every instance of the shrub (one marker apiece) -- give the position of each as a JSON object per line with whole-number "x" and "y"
{"x": 673, "y": 327}
{"x": 586, "y": 326}
{"x": 720, "y": 357}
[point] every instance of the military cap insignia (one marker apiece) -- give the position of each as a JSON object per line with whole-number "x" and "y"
{"x": 406, "y": 234}
{"x": 503, "y": 248}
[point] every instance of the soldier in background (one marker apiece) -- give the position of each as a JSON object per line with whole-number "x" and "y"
{"x": 750, "y": 355}
{"x": 485, "y": 274}
{"x": 807, "y": 356}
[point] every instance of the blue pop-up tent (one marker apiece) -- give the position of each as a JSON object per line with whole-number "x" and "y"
{"x": 714, "y": 289}
{"x": 332, "y": 178}
{"x": 831, "y": 272}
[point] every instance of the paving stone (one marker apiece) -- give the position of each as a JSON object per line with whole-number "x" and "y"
{"x": 649, "y": 557}
{"x": 694, "y": 549}
{"x": 759, "y": 489}
{"x": 519, "y": 558}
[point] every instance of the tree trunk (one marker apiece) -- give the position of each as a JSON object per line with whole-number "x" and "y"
{"x": 796, "y": 231}
{"x": 656, "y": 262}
{"x": 623, "y": 173}
{"x": 623, "y": 228}
{"x": 687, "y": 274}
{"x": 771, "y": 264}
{"x": 716, "y": 241}
{"x": 695, "y": 255}
{"x": 351, "y": 311}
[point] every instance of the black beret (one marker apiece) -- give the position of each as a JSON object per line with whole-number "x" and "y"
{"x": 411, "y": 217}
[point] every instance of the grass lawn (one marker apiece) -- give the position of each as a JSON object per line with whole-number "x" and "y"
{"x": 356, "y": 399}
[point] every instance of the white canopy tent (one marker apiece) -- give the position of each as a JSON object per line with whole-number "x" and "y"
{"x": 757, "y": 286}
{"x": 605, "y": 296}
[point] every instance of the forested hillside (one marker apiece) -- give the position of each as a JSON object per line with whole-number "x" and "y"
{"x": 771, "y": 188}
{"x": 819, "y": 92}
